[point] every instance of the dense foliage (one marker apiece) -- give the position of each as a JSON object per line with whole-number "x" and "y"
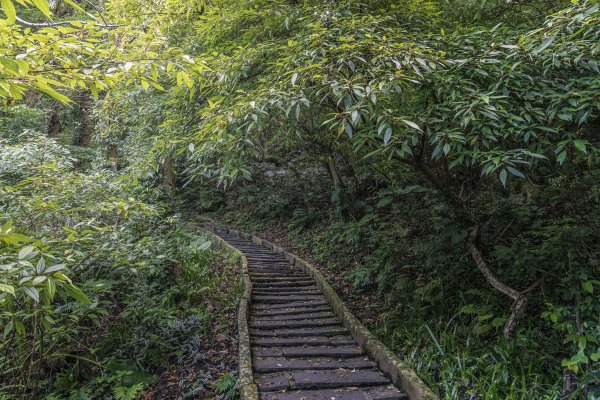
{"x": 99, "y": 289}
{"x": 442, "y": 154}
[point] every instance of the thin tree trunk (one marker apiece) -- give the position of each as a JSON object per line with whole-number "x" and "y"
{"x": 519, "y": 300}
{"x": 169, "y": 177}
{"x": 570, "y": 384}
{"x": 113, "y": 157}
{"x": 334, "y": 174}
{"x": 54, "y": 125}
{"x": 87, "y": 127}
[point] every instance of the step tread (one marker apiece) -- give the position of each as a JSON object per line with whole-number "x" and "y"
{"x": 303, "y": 341}
{"x": 277, "y": 364}
{"x": 291, "y": 304}
{"x": 316, "y": 331}
{"x": 321, "y": 379}
{"x": 296, "y": 316}
{"x": 309, "y": 351}
{"x": 285, "y": 299}
{"x": 300, "y": 349}
{"x": 289, "y": 311}
{"x": 303, "y": 323}
{"x": 388, "y": 392}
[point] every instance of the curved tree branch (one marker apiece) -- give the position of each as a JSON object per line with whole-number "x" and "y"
{"x": 28, "y": 24}
{"x": 519, "y": 299}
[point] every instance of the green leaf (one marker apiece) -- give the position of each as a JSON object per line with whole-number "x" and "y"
{"x": 54, "y": 268}
{"x": 515, "y": 171}
{"x": 580, "y": 145}
{"x": 503, "y": 175}
{"x": 588, "y": 286}
{"x": 547, "y": 42}
{"x": 47, "y": 90}
{"x": 387, "y": 135}
{"x": 76, "y": 6}
{"x": 8, "y": 328}
{"x": 51, "y": 288}
{"x": 77, "y": 294}
{"x": 9, "y": 10}
{"x": 25, "y": 251}
{"x": 561, "y": 157}
{"x": 41, "y": 266}
{"x": 7, "y": 288}
{"x": 32, "y": 292}
{"x": 42, "y": 5}
{"x": 411, "y": 124}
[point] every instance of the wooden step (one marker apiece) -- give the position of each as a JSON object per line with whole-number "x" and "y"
{"x": 300, "y": 349}
{"x": 289, "y": 310}
{"x": 277, "y": 364}
{"x": 291, "y": 304}
{"x": 321, "y": 379}
{"x": 312, "y": 331}
{"x": 388, "y": 392}
{"x": 309, "y": 351}
{"x": 303, "y": 323}
{"x": 303, "y": 341}
{"x": 295, "y": 316}
{"x": 285, "y": 299}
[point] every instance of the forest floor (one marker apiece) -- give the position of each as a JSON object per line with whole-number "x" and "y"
{"x": 208, "y": 370}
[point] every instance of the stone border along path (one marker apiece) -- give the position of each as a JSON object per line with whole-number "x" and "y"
{"x": 298, "y": 341}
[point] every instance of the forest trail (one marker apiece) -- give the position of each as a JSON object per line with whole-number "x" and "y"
{"x": 300, "y": 349}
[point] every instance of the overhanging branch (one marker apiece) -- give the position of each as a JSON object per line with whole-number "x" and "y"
{"x": 29, "y": 24}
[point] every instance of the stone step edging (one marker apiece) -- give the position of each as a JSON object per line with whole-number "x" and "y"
{"x": 248, "y": 389}
{"x": 401, "y": 375}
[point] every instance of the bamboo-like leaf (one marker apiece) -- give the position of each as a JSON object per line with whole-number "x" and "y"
{"x": 76, "y": 294}
{"x": 9, "y": 10}
{"x": 42, "y": 5}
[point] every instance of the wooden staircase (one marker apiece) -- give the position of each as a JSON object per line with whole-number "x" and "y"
{"x": 300, "y": 349}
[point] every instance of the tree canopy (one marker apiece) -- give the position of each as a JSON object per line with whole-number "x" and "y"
{"x": 440, "y": 154}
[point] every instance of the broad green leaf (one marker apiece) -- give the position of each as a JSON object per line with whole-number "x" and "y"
{"x": 9, "y": 10}
{"x": 387, "y": 135}
{"x": 42, "y": 5}
{"x": 8, "y": 328}
{"x": 206, "y": 245}
{"x": 41, "y": 265}
{"x": 545, "y": 43}
{"x": 503, "y": 175}
{"x": 25, "y": 251}
{"x": 50, "y": 289}
{"x": 49, "y": 91}
{"x": 411, "y": 124}
{"x": 54, "y": 268}
{"x": 32, "y": 292}
{"x": 515, "y": 171}
{"x": 7, "y": 288}
{"x": 76, "y": 294}
{"x": 580, "y": 145}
